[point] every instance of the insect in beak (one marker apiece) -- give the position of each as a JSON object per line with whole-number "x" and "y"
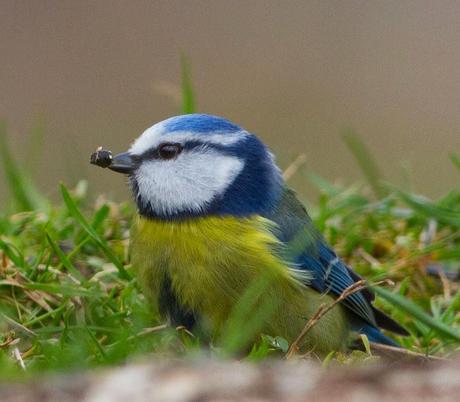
{"x": 121, "y": 163}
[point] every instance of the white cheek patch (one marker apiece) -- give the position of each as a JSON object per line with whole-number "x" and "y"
{"x": 154, "y": 136}
{"x": 188, "y": 183}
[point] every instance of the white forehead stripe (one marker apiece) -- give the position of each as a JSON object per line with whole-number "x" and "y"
{"x": 187, "y": 183}
{"x": 155, "y": 135}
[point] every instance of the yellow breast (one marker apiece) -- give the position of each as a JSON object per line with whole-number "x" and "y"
{"x": 210, "y": 261}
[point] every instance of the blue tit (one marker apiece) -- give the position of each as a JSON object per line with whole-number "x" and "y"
{"x": 214, "y": 217}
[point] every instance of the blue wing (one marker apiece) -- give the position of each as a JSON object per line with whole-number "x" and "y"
{"x": 308, "y": 251}
{"x": 330, "y": 274}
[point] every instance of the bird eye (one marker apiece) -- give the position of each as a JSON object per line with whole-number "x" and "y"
{"x": 169, "y": 151}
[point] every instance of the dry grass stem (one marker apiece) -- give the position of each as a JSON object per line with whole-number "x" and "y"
{"x": 323, "y": 310}
{"x": 396, "y": 354}
{"x": 18, "y": 326}
{"x": 18, "y": 357}
{"x": 296, "y": 164}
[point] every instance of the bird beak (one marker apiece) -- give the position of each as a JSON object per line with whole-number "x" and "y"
{"x": 123, "y": 163}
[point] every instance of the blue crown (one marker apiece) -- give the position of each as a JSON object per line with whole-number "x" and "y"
{"x": 200, "y": 123}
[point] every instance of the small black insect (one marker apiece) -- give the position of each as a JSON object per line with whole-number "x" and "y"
{"x": 101, "y": 157}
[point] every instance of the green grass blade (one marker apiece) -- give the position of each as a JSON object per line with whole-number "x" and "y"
{"x": 78, "y": 216}
{"x": 63, "y": 258}
{"x": 188, "y": 96}
{"x": 416, "y": 312}
{"x": 35, "y": 144}
{"x": 64, "y": 290}
{"x": 426, "y": 207}
{"x": 455, "y": 159}
{"x": 100, "y": 216}
{"x": 45, "y": 315}
{"x": 366, "y": 162}
{"x": 248, "y": 316}
{"x": 13, "y": 253}
{"x": 96, "y": 343}
{"x": 24, "y": 193}
{"x": 324, "y": 185}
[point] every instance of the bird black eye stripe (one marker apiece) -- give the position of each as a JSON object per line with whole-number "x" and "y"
{"x": 154, "y": 153}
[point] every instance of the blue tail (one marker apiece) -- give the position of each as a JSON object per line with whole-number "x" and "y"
{"x": 374, "y": 335}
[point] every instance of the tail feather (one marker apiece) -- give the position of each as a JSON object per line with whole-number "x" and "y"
{"x": 388, "y": 323}
{"x": 374, "y": 335}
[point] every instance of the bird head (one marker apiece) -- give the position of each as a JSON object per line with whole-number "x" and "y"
{"x": 199, "y": 165}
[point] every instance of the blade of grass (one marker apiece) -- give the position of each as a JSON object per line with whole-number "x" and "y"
{"x": 35, "y": 144}
{"x": 248, "y": 316}
{"x": 13, "y": 253}
{"x": 100, "y": 216}
{"x": 324, "y": 185}
{"x": 64, "y": 260}
{"x": 188, "y": 96}
{"x": 96, "y": 343}
{"x": 23, "y": 191}
{"x": 78, "y": 216}
{"x": 430, "y": 209}
{"x": 366, "y": 162}
{"x": 97, "y": 221}
{"x": 416, "y": 312}
{"x": 455, "y": 159}
{"x": 65, "y": 290}
{"x": 51, "y": 329}
{"x": 45, "y": 315}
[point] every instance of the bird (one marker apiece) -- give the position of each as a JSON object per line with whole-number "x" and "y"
{"x": 216, "y": 222}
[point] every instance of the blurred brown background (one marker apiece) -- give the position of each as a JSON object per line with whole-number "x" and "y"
{"x": 297, "y": 73}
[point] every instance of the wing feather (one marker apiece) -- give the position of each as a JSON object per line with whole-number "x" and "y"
{"x": 327, "y": 273}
